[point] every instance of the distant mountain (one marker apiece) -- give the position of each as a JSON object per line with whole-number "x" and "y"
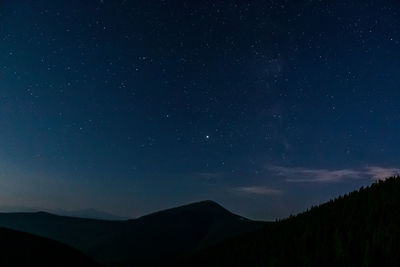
{"x": 83, "y": 213}
{"x": 158, "y": 237}
{"x": 22, "y": 249}
{"x": 88, "y": 214}
{"x": 358, "y": 229}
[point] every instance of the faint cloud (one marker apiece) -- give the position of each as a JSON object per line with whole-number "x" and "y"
{"x": 259, "y": 190}
{"x": 379, "y": 173}
{"x": 304, "y": 175}
{"x": 314, "y": 175}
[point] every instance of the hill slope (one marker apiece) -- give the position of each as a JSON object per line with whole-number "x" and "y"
{"x": 157, "y": 237}
{"x": 359, "y": 229}
{"x": 22, "y": 249}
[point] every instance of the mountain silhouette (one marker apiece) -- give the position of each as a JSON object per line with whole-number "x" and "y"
{"x": 358, "y": 229}
{"x": 88, "y": 214}
{"x": 23, "y": 249}
{"x": 80, "y": 213}
{"x": 361, "y": 228}
{"x": 158, "y": 237}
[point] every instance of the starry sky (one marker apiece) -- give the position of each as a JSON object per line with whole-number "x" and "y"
{"x": 129, "y": 107}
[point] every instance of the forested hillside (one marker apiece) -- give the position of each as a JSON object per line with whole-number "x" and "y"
{"x": 358, "y": 229}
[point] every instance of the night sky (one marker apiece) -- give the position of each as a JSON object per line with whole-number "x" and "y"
{"x": 129, "y": 107}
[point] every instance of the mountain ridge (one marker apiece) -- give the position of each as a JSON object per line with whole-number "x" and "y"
{"x": 158, "y": 236}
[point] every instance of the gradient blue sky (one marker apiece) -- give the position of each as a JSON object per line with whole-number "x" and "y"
{"x": 266, "y": 107}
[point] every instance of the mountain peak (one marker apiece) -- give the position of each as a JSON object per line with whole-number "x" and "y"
{"x": 201, "y": 208}
{"x": 205, "y": 205}
{"x": 208, "y": 203}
